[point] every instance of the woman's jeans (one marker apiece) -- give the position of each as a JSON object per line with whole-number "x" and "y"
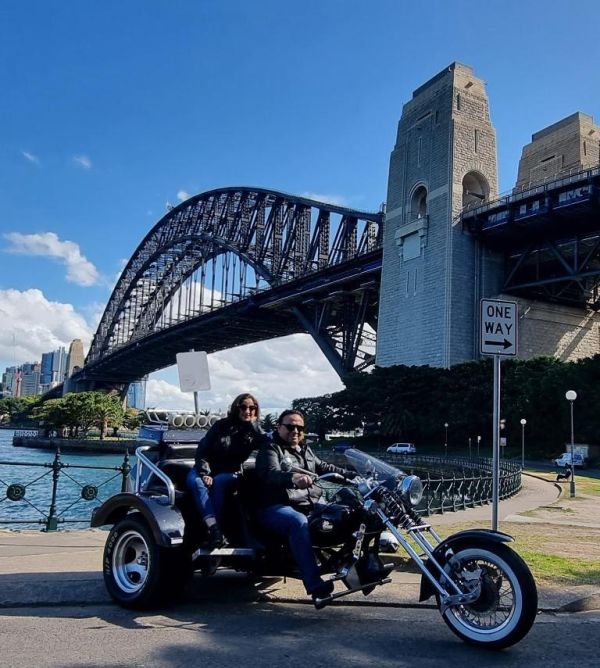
{"x": 210, "y": 501}
{"x": 293, "y": 525}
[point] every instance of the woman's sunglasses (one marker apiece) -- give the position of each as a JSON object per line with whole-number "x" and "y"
{"x": 249, "y": 407}
{"x": 293, "y": 427}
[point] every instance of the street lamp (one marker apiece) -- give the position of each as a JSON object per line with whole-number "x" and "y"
{"x": 469, "y": 447}
{"x": 478, "y": 444}
{"x": 570, "y": 396}
{"x": 523, "y": 423}
{"x": 446, "y": 439}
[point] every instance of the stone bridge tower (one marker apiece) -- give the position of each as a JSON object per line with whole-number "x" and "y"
{"x": 434, "y": 273}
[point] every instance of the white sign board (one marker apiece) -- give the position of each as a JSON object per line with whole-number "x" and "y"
{"x": 498, "y": 327}
{"x": 193, "y": 371}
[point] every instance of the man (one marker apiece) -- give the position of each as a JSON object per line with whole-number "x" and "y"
{"x": 287, "y": 497}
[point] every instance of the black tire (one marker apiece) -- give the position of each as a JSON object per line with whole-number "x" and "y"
{"x": 138, "y": 573}
{"x": 507, "y": 607}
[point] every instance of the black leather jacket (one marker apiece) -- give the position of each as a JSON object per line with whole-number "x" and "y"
{"x": 275, "y": 484}
{"x": 226, "y": 445}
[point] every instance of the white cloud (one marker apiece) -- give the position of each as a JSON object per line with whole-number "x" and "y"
{"x": 182, "y": 195}
{"x": 340, "y": 200}
{"x": 33, "y": 325}
{"x": 31, "y": 157}
{"x": 82, "y": 161}
{"x": 277, "y": 371}
{"x": 79, "y": 269}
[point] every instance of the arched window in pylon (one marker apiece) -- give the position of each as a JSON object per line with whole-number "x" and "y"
{"x": 476, "y": 189}
{"x": 418, "y": 203}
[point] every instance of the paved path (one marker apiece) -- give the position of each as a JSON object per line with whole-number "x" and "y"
{"x": 65, "y": 567}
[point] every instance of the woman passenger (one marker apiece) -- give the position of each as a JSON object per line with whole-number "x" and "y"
{"x": 226, "y": 445}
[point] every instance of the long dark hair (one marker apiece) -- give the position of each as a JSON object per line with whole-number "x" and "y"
{"x": 234, "y": 409}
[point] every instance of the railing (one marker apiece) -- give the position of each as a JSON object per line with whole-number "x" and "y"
{"x": 573, "y": 175}
{"x": 457, "y": 483}
{"x": 79, "y": 493}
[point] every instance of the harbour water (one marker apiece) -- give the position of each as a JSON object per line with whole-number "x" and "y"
{"x": 32, "y": 485}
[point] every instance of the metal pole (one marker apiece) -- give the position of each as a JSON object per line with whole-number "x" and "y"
{"x": 52, "y": 520}
{"x": 496, "y": 444}
{"x": 572, "y": 485}
{"x": 522, "y": 445}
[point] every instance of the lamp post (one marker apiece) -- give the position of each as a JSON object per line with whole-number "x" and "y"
{"x": 478, "y": 444}
{"x": 469, "y": 447}
{"x": 523, "y": 423}
{"x": 446, "y": 439}
{"x": 570, "y": 396}
{"x": 502, "y": 438}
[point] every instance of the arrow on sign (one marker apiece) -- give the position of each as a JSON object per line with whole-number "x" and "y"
{"x": 505, "y": 344}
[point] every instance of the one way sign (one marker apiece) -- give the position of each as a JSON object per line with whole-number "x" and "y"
{"x": 498, "y": 327}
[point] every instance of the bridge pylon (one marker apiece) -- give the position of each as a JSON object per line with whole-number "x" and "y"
{"x": 434, "y": 273}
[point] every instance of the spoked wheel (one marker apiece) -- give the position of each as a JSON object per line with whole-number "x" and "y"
{"x": 507, "y": 606}
{"x": 137, "y": 572}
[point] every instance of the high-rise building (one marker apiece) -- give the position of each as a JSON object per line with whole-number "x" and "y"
{"x": 30, "y": 379}
{"x": 11, "y": 381}
{"x": 76, "y": 357}
{"x": 136, "y": 394}
{"x": 53, "y": 368}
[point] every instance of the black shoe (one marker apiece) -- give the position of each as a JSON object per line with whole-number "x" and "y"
{"x": 323, "y": 591}
{"x": 215, "y": 537}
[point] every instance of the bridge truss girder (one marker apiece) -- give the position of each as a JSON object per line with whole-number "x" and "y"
{"x": 234, "y": 246}
{"x": 565, "y": 271}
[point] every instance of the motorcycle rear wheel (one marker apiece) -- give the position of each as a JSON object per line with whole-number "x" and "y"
{"x": 506, "y": 609}
{"x": 138, "y": 573}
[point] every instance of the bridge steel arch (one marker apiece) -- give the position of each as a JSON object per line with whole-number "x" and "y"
{"x": 237, "y": 265}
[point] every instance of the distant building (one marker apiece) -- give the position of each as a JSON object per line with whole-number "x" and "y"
{"x": 30, "y": 380}
{"x": 11, "y": 381}
{"x": 53, "y": 368}
{"x": 136, "y": 394}
{"x": 76, "y": 357}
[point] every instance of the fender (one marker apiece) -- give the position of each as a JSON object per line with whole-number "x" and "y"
{"x": 454, "y": 542}
{"x": 165, "y": 522}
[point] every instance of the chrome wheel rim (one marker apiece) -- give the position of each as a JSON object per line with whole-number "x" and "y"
{"x": 131, "y": 562}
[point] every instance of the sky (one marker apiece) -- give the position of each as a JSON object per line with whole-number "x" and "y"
{"x": 110, "y": 111}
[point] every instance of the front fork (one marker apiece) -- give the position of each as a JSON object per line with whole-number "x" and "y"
{"x": 432, "y": 568}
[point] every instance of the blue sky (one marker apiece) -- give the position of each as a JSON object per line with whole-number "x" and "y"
{"x": 110, "y": 110}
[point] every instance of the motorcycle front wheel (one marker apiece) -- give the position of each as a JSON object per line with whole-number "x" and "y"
{"x": 507, "y": 605}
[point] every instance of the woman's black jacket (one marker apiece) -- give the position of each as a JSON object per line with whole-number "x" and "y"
{"x": 275, "y": 484}
{"x": 226, "y": 445}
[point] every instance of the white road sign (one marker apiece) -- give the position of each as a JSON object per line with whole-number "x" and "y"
{"x": 193, "y": 371}
{"x": 498, "y": 327}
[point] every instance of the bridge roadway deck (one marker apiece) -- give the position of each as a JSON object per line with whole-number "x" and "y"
{"x": 65, "y": 568}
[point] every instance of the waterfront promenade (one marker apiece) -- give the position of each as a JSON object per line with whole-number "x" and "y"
{"x": 65, "y": 567}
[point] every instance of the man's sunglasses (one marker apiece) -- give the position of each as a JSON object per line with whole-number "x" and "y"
{"x": 248, "y": 407}
{"x": 293, "y": 427}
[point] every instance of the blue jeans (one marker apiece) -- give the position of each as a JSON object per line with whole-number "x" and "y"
{"x": 289, "y": 523}
{"x": 211, "y": 501}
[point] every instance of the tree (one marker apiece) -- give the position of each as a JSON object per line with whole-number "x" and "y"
{"x": 269, "y": 422}
{"x": 108, "y": 410}
{"x": 132, "y": 419}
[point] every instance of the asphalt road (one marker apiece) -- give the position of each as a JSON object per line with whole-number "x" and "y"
{"x": 279, "y": 635}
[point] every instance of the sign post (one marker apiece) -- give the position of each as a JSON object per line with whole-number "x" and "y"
{"x": 498, "y": 338}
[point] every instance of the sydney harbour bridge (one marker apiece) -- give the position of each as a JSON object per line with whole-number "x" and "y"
{"x": 239, "y": 265}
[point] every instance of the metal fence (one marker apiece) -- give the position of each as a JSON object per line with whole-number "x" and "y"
{"x": 70, "y": 498}
{"x": 451, "y": 484}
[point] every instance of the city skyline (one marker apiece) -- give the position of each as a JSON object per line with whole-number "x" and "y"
{"x": 107, "y": 122}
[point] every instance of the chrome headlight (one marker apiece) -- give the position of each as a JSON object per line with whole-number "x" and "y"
{"x": 411, "y": 490}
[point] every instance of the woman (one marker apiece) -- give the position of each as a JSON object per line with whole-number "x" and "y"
{"x": 219, "y": 456}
